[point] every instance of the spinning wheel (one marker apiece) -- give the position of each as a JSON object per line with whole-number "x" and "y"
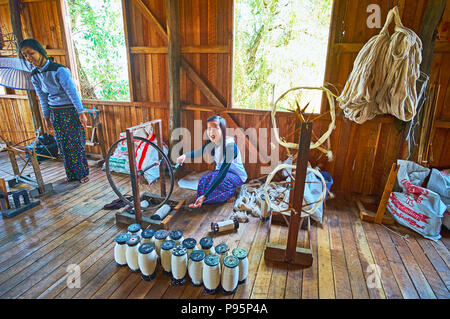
{"x": 122, "y": 185}
{"x": 296, "y": 210}
{"x": 141, "y": 160}
{"x": 316, "y": 142}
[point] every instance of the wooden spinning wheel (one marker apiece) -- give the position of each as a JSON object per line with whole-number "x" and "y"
{"x": 294, "y": 212}
{"x": 301, "y": 117}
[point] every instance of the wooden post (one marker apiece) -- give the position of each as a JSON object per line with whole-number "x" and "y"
{"x": 4, "y": 190}
{"x": 299, "y": 188}
{"x": 174, "y": 58}
{"x": 134, "y": 177}
{"x": 162, "y": 175}
{"x": 37, "y": 172}
{"x": 14, "y": 12}
{"x": 428, "y": 32}
{"x": 386, "y": 193}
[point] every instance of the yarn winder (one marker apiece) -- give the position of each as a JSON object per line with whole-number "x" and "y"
{"x": 164, "y": 207}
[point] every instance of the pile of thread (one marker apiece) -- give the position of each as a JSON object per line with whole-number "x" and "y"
{"x": 180, "y": 258}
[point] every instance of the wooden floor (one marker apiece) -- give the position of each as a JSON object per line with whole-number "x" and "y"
{"x": 71, "y": 227}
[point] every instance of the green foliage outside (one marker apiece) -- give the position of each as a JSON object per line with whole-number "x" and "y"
{"x": 282, "y": 43}
{"x": 99, "y": 45}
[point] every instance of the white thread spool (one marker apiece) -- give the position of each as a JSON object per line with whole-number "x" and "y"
{"x": 179, "y": 265}
{"x": 190, "y": 244}
{"x": 166, "y": 256}
{"x": 230, "y": 275}
{"x": 241, "y": 254}
{"x": 160, "y": 237}
{"x": 222, "y": 251}
{"x": 211, "y": 273}
{"x": 176, "y": 236}
{"x": 131, "y": 252}
{"x": 134, "y": 230}
{"x": 162, "y": 212}
{"x": 120, "y": 249}
{"x": 226, "y": 225}
{"x": 148, "y": 236}
{"x": 195, "y": 267}
{"x": 206, "y": 244}
{"x": 147, "y": 261}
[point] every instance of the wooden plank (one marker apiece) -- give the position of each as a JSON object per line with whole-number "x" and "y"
{"x": 326, "y": 277}
{"x": 398, "y": 269}
{"x": 59, "y": 274}
{"x": 174, "y": 58}
{"x": 388, "y": 281}
{"x": 310, "y": 285}
{"x": 340, "y": 274}
{"x": 22, "y": 281}
{"x": 372, "y": 278}
{"x": 415, "y": 273}
{"x": 355, "y": 271}
{"x": 430, "y": 273}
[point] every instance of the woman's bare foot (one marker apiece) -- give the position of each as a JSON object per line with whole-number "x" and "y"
{"x": 231, "y": 199}
{"x": 84, "y": 180}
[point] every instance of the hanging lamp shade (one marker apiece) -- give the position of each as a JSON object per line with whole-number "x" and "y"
{"x": 15, "y": 74}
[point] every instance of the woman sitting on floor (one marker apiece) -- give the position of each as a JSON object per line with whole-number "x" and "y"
{"x": 219, "y": 185}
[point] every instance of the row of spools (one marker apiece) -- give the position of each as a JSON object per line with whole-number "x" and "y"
{"x": 141, "y": 250}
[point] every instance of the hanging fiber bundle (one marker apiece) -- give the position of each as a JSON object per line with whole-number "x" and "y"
{"x": 384, "y": 75}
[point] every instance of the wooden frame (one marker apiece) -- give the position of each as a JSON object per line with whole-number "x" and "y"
{"x": 291, "y": 253}
{"x": 123, "y": 215}
{"x": 379, "y": 217}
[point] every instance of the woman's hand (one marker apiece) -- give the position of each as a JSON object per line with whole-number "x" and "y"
{"x": 83, "y": 120}
{"x": 198, "y": 203}
{"x": 49, "y": 126}
{"x": 181, "y": 159}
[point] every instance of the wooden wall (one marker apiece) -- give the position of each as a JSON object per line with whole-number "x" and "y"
{"x": 363, "y": 154}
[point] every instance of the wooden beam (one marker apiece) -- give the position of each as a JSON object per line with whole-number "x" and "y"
{"x": 428, "y": 33}
{"x": 174, "y": 63}
{"x": 205, "y": 49}
{"x": 195, "y": 77}
{"x": 126, "y": 30}
{"x": 66, "y": 32}
{"x": 50, "y": 52}
{"x": 16, "y": 23}
{"x": 149, "y": 15}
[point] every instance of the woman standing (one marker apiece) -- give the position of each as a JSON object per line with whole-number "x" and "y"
{"x": 61, "y": 107}
{"x": 219, "y": 185}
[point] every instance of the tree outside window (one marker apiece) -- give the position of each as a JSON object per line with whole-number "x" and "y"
{"x": 100, "y": 51}
{"x": 282, "y": 43}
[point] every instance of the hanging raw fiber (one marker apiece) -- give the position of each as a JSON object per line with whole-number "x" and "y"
{"x": 384, "y": 75}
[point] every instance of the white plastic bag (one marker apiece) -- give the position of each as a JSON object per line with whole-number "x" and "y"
{"x": 312, "y": 193}
{"x": 416, "y": 207}
{"x": 144, "y": 154}
{"x": 440, "y": 183}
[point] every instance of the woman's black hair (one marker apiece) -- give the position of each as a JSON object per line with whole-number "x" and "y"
{"x": 223, "y": 129}
{"x": 35, "y": 45}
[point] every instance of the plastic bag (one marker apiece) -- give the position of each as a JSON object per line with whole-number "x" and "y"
{"x": 440, "y": 183}
{"x": 416, "y": 207}
{"x": 145, "y": 155}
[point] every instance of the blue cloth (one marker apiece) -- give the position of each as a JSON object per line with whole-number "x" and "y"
{"x": 54, "y": 87}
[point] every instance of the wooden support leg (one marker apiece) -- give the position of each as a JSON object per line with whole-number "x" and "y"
{"x": 37, "y": 173}
{"x": 291, "y": 253}
{"x": 134, "y": 177}
{"x": 162, "y": 178}
{"x": 387, "y": 191}
{"x": 379, "y": 217}
{"x": 4, "y": 202}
